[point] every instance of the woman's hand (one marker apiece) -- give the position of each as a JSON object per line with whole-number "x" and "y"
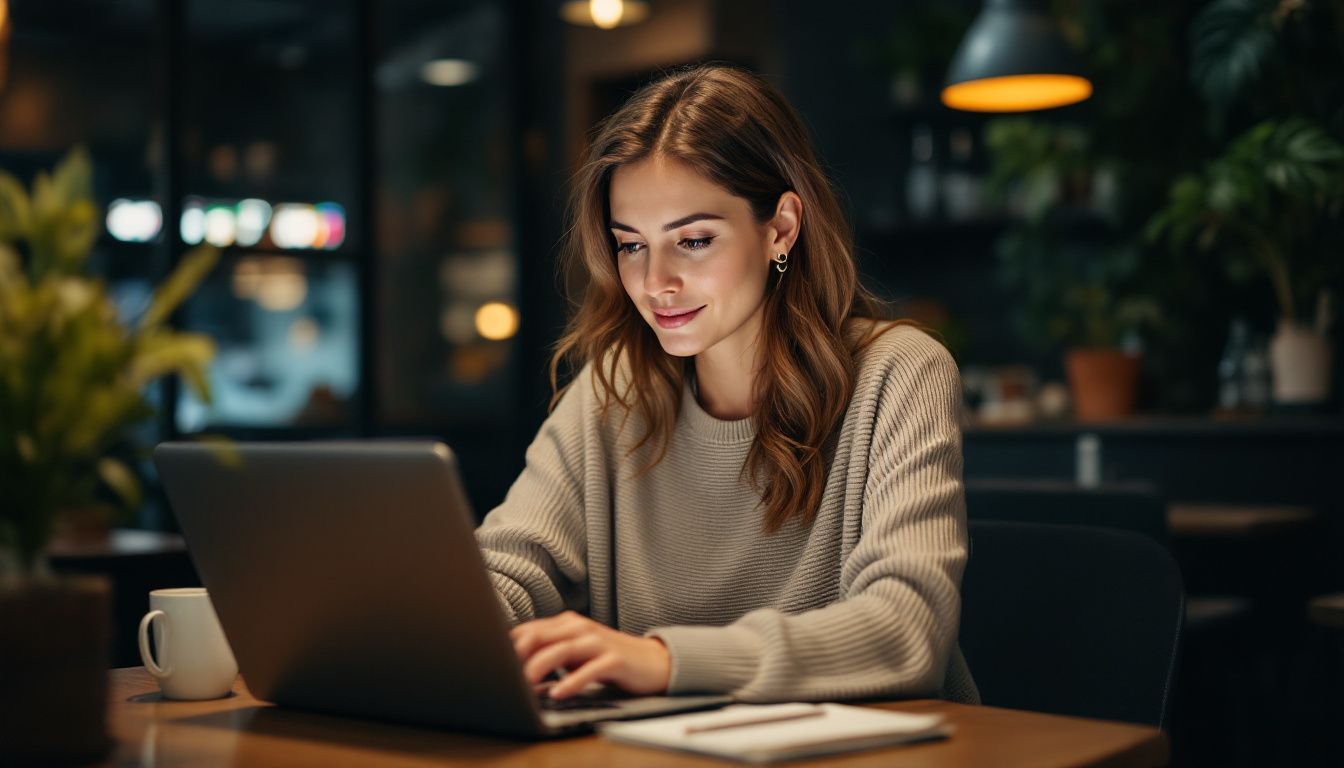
{"x": 592, "y": 653}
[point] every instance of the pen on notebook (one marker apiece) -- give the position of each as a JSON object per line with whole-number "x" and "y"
{"x": 759, "y": 720}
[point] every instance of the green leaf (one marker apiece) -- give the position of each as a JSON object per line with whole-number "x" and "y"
{"x": 160, "y": 353}
{"x": 15, "y": 213}
{"x": 72, "y": 180}
{"x": 1232, "y": 40}
{"x": 73, "y": 235}
{"x": 12, "y": 280}
{"x": 102, "y": 414}
{"x": 46, "y": 202}
{"x": 222, "y": 448}
{"x": 119, "y": 478}
{"x": 195, "y": 265}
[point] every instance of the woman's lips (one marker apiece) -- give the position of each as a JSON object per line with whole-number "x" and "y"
{"x": 676, "y": 321}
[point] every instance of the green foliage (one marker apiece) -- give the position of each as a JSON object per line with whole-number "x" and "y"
{"x": 1087, "y": 178}
{"x": 1040, "y": 158}
{"x": 1263, "y": 204}
{"x": 71, "y": 374}
{"x": 1232, "y": 42}
{"x": 1073, "y": 294}
{"x": 1070, "y": 293}
{"x": 1256, "y": 59}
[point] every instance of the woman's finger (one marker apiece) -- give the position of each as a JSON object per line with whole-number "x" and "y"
{"x": 599, "y": 669}
{"x": 568, "y": 654}
{"x": 529, "y": 637}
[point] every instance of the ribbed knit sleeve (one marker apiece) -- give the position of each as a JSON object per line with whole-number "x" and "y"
{"x": 894, "y": 625}
{"x": 535, "y": 543}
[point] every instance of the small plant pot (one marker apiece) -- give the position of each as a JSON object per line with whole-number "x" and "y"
{"x": 55, "y": 641}
{"x": 1300, "y": 359}
{"x": 1103, "y": 382}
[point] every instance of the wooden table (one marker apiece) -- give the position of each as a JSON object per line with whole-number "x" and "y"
{"x": 241, "y": 731}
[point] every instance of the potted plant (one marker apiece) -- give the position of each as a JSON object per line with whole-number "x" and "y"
{"x": 72, "y": 378}
{"x": 1086, "y": 293}
{"x": 1266, "y": 206}
{"x": 1271, "y": 202}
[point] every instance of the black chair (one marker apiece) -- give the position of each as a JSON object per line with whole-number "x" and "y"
{"x": 1129, "y": 506}
{"x": 1134, "y": 506}
{"x": 1071, "y": 620}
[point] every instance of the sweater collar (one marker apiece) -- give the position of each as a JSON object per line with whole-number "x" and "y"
{"x": 706, "y": 427}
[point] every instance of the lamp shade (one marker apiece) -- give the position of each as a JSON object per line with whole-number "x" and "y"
{"x": 1014, "y": 59}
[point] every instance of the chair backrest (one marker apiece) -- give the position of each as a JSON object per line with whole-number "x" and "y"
{"x": 1071, "y": 620}
{"x": 1134, "y": 506}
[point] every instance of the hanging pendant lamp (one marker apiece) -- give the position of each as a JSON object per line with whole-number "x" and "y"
{"x": 1014, "y": 59}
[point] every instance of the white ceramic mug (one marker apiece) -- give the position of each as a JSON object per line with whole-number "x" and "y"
{"x": 195, "y": 661}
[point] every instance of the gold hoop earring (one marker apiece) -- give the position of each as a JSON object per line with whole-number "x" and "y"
{"x": 781, "y": 262}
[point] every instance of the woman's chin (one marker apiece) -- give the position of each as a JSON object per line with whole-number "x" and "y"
{"x": 679, "y": 347}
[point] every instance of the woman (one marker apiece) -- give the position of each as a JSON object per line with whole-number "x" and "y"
{"x": 751, "y": 486}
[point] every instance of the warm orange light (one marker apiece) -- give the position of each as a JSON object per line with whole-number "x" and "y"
{"x": 496, "y": 321}
{"x": 604, "y": 14}
{"x": 4, "y": 39}
{"x": 1017, "y": 93}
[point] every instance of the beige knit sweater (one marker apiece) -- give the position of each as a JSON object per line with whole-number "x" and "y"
{"x": 863, "y": 603}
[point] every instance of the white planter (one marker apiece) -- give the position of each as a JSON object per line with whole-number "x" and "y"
{"x": 1300, "y": 358}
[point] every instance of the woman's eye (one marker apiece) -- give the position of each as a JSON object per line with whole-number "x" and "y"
{"x": 690, "y": 243}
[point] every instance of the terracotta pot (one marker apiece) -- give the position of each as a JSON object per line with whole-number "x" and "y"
{"x": 55, "y": 641}
{"x": 82, "y": 526}
{"x": 1103, "y": 382}
{"x": 1300, "y": 359}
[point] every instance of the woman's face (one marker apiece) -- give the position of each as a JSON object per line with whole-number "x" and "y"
{"x": 691, "y": 256}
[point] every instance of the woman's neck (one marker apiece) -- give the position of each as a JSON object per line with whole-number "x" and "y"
{"x": 725, "y": 380}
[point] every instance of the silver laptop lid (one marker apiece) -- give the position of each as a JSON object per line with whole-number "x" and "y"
{"x": 348, "y": 579}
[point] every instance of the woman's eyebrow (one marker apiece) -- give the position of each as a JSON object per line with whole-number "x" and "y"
{"x": 668, "y": 227}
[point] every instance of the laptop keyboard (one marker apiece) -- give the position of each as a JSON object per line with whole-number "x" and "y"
{"x": 547, "y": 704}
{"x": 593, "y": 697}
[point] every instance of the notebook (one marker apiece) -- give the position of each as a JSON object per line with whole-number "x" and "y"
{"x": 772, "y": 732}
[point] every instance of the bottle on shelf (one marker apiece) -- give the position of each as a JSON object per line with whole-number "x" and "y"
{"x": 1087, "y": 460}
{"x": 1231, "y": 379}
{"x": 961, "y": 188}
{"x": 921, "y": 180}
{"x": 1256, "y": 376}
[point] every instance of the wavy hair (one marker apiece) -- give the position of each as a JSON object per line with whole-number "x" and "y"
{"x": 739, "y": 132}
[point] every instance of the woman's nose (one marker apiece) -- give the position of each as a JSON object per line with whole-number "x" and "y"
{"x": 661, "y": 275}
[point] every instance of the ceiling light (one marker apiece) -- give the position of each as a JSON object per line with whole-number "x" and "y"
{"x": 1014, "y": 59}
{"x": 604, "y": 14}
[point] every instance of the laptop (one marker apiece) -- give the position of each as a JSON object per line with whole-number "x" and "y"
{"x": 347, "y": 578}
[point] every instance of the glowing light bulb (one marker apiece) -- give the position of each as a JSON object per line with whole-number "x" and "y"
{"x": 253, "y": 216}
{"x": 496, "y": 321}
{"x": 134, "y": 221}
{"x": 1017, "y": 93}
{"x": 294, "y": 225}
{"x": 606, "y": 14}
{"x": 192, "y": 225}
{"x": 448, "y": 72}
{"x": 331, "y": 226}
{"x": 220, "y": 226}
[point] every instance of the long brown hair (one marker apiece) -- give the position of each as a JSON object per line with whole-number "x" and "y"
{"x": 738, "y": 131}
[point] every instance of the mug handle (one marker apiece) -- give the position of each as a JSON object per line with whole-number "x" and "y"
{"x": 154, "y": 668}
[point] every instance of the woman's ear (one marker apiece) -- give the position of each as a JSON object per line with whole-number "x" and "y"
{"x": 786, "y": 224}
